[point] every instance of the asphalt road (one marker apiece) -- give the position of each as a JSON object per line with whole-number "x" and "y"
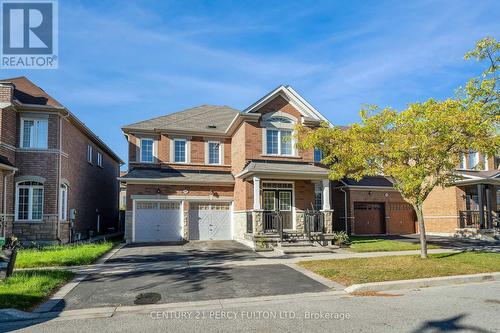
{"x": 462, "y": 308}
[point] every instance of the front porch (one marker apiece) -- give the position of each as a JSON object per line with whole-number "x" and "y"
{"x": 481, "y": 217}
{"x": 288, "y": 206}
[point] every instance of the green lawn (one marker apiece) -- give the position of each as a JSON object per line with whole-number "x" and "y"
{"x": 24, "y": 290}
{"x": 364, "y": 270}
{"x": 62, "y": 255}
{"x": 374, "y": 244}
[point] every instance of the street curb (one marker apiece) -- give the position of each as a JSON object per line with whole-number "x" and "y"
{"x": 316, "y": 277}
{"x": 423, "y": 283}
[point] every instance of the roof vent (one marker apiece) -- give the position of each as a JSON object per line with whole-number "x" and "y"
{"x": 211, "y": 126}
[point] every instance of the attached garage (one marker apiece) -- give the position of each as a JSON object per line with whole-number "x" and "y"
{"x": 210, "y": 221}
{"x": 369, "y": 218}
{"x": 157, "y": 221}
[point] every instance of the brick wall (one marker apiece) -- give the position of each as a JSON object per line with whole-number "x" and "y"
{"x": 194, "y": 190}
{"x": 93, "y": 190}
{"x": 441, "y": 209}
{"x": 387, "y": 197}
{"x": 6, "y": 93}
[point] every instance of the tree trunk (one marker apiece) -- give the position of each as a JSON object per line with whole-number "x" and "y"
{"x": 421, "y": 228}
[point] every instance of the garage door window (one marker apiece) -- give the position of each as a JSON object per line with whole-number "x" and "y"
{"x": 147, "y": 205}
{"x": 169, "y": 205}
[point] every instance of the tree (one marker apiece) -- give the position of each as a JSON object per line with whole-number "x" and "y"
{"x": 419, "y": 147}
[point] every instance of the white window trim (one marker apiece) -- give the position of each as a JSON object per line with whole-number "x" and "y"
{"x": 30, "y": 201}
{"x": 35, "y": 135}
{"x": 279, "y": 154}
{"x": 63, "y": 214}
{"x": 476, "y": 153}
{"x": 99, "y": 159}
{"x": 186, "y": 151}
{"x": 207, "y": 152}
{"x": 152, "y": 150}
{"x": 485, "y": 162}
{"x": 90, "y": 153}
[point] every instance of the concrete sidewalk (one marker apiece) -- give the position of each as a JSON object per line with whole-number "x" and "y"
{"x": 265, "y": 259}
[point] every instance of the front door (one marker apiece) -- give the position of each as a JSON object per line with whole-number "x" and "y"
{"x": 280, "y": 200}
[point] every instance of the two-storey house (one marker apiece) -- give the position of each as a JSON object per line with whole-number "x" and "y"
{"x": 58, "y": 179}
{"x": 214, "y": 172}
{"x": 470, "y": 206}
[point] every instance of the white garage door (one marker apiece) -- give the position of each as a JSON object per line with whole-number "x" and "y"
{"x": 157, "y": 221}
{"x": 209, "y": 221}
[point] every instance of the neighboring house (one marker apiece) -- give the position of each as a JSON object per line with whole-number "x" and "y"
{"x": 52, "y": 166}
{"x": 214, "y": 172}
{"x": 470, "y": 206}
{"x": 371, "y": 207}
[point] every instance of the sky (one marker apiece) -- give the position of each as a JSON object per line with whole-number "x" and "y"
{"x": 125, "y": 61}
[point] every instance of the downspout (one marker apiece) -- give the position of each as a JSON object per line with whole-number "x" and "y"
{"x": 345, "y": 208}
{"x": 59, "y": 173}
{"x": 4, "y": 202}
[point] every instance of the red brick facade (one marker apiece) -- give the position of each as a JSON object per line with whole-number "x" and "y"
{"x": 92, "y": 190}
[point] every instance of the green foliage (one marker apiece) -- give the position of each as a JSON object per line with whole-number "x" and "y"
{"x": 364, "y": 270}
{"x": 340, "y": 238}
{"x": 374, "y": 244}
{"x": 62, "y": 255}
{"x": 24, "y": 290}
{"x": 419, "y": 147}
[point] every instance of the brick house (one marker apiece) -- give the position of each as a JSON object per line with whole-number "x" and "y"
{"x": 214, "y": 172}
{"x": 470, "y": 206}
{"x": 52, "y": 165}
{"x": 371, "y": 206}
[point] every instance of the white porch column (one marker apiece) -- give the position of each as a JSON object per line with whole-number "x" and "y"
{"x": 256, "y": 193}
{"x": 326, "y": 194}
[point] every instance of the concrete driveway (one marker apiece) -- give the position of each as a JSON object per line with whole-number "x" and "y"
{"x": 148, "y": 274}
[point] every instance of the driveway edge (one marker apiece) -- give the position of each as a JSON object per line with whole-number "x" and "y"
{"x": 48, "y": 305}
{"x": 423, "y": 283}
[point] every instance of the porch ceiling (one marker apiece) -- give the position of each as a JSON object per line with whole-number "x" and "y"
{"x": 283, "y": 170}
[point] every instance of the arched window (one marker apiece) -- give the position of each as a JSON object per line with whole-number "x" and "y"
{"x": 278, "y": 134}
{"x": 63, "y": 202}
{"x": 29, "y": 201}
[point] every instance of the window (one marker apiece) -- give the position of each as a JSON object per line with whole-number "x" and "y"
{"x": 484, "y": 162}
{"x": 29, "y": 201}
{"x": 214, "y": 153}
{"x": 463, "y": 161}
{"x": 147, "y": 150}
{"x": 63, "y": 202}
{"x": 269, "y": 200}
{"x": 473, "y": 159}
{"x": 318, "y": 197}
{"x": 285, "y": 200}
{"x": 180, "y": 151}
{"x": 89, "y": 153}
{"x": 318, "y": 155}
{"x": 99, "y": 159}
{"x": 279, "y": 142}
{"x": 34, "y": 133}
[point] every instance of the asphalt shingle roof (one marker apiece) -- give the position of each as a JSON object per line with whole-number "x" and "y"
{"x": 181, "y": 176}
{"x": 284, "y": 167}
{"x": 369, "y": 181}
{"x": 203, "y": 118}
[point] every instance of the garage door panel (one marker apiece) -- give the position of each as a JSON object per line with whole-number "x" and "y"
{"x": 158, "y": 222}
{"x": 210, "y": 221}
{"x": 369, "y": 218}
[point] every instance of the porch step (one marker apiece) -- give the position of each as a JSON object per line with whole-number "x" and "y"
{"x": 302, "y": 249}
{"x": 296, "y": 244}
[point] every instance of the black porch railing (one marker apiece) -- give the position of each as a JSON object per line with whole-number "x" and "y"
{"x": 314, "y": 221}
{"x": 471, "y": 219}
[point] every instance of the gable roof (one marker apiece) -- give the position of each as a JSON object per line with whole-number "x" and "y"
{"x": 203, "y": 118}
{"x": 28, "y": 96}
{"x": 294, "y": 98}
{"x": 368, "y": 181}
{"x": 28, "y": 93}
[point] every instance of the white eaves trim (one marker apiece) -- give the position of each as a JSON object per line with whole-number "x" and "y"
{"x": 294, "y": 98}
